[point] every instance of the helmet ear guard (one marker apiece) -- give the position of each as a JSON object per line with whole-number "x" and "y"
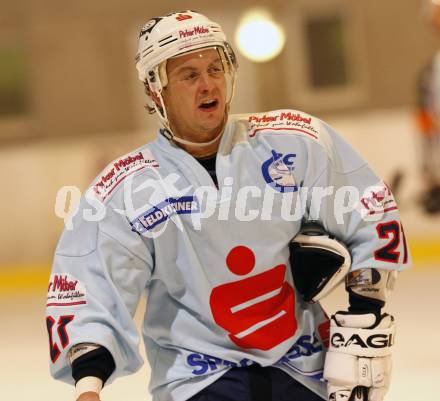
{"x": 318, "y": 261}
{"x": 156, "y": 80}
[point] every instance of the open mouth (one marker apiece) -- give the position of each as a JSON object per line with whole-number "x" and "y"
{"x": 208, "y": 105}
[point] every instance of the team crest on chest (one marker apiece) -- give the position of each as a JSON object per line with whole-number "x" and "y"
{"x": 278, "y": 172}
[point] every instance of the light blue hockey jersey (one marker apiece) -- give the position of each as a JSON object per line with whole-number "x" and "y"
{"x": 213, "y": 262}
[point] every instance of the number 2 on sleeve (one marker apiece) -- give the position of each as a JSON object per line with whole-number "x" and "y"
{"x": 393, "y": 231}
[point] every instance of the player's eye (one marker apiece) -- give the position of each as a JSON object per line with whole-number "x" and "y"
{"x": 215, "y": 70}
{"x": 191, "y": 76}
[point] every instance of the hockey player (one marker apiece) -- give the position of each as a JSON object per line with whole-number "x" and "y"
{"x": 201, "y": 222}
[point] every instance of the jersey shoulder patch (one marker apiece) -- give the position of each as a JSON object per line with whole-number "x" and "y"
{"x": 284, "y": 121}
{"x": 115, "y": 172}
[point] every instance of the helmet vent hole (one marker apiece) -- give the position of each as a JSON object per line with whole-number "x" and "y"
{"x": 161, "y": 40}
{"x": 166, "y": 43}
{"x": 148, "y": 50}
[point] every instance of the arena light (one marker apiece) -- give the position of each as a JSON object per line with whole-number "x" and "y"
{"x": 258, "y": 36}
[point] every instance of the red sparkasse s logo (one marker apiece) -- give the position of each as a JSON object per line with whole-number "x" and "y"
{"x": 183, "y": 17}
{"x": 257, "y": 311}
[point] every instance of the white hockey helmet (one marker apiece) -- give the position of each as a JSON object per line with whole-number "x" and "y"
{"x": 173, "y": 35}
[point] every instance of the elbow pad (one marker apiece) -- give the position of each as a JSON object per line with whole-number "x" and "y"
{"x": 319, "y": 262}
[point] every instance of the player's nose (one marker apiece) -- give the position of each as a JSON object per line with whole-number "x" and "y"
{"x": 206, "y": 82}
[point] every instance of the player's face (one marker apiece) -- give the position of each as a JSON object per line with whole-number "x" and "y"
{"x": 195, "y": 96}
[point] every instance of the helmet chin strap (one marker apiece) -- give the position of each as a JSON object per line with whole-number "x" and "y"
{"x": 175, "y": 138}
{"x": 169, "y": 134}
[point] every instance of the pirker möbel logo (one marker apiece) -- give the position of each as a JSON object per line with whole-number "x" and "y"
{"x": 278, "y": 172}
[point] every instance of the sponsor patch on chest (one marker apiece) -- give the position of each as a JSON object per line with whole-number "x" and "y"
{"x": 284, "y": 120}
{"x": 278, "y": 172}
{"x": 164, "y": 211}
